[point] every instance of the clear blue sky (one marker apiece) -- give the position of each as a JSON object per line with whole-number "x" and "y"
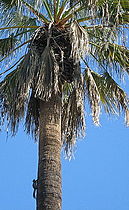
{"x": 97, "y": 179}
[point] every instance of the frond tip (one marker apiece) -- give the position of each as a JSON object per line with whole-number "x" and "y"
{"x": 127, "y": 117}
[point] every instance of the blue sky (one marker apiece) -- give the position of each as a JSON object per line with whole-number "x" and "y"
{"x": 96, "y": 179}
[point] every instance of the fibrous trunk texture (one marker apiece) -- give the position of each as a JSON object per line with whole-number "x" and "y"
{"x": 49, "y": 167}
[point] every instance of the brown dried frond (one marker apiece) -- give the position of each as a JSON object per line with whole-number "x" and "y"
{"x": 46, "y": 80}
{"x": 79, "y": 41}
{"x": 32, "y": 116}
{"x": 93, "y": 95}
{"x": 127, "y": 117}
{"x": 73, "y": 122}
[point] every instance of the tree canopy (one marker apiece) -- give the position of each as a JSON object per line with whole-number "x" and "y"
{"x": 97, "y": 32}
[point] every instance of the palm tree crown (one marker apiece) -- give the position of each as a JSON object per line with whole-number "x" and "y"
{"x": 72, "y": 50}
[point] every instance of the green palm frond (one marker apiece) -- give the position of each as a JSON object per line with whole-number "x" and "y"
{"x": 12, "y": 66}
{"x": 116, "y": 97}
{"x": 125, "y": 18}
{"x": 17, "y": 29}
{"x": 23, "y": 20}
{"x": 102, "y": 89}
{"x": 57, "y": 7}
{"x": 14, "y": 93}
{"x": 10, "y": 53}
{"x": 7, "y": 45}
{"x": 113, "y": 98}
{"x": 112, "y": 54}
{"x": 111, "y": 12}
{"x": 125, "y": 5}
{"x": 12, "y": 109}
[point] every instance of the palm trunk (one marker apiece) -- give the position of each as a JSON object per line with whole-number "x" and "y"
{"x": 49, "y": 166}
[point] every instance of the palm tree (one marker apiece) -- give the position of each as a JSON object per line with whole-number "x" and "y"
{"x": 72, "y": 56}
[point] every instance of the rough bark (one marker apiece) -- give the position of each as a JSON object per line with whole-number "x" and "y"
{"x": 49, "y": 167}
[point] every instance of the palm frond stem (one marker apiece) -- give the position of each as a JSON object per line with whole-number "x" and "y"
{"x": 85, "y": 19}
{"x": 102, "y": 26}
{"x": 11, "y": 27}
{"x": 55, "y": 6}
{"x": 57, "y": 9}
{"x": 23, "y": 32}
